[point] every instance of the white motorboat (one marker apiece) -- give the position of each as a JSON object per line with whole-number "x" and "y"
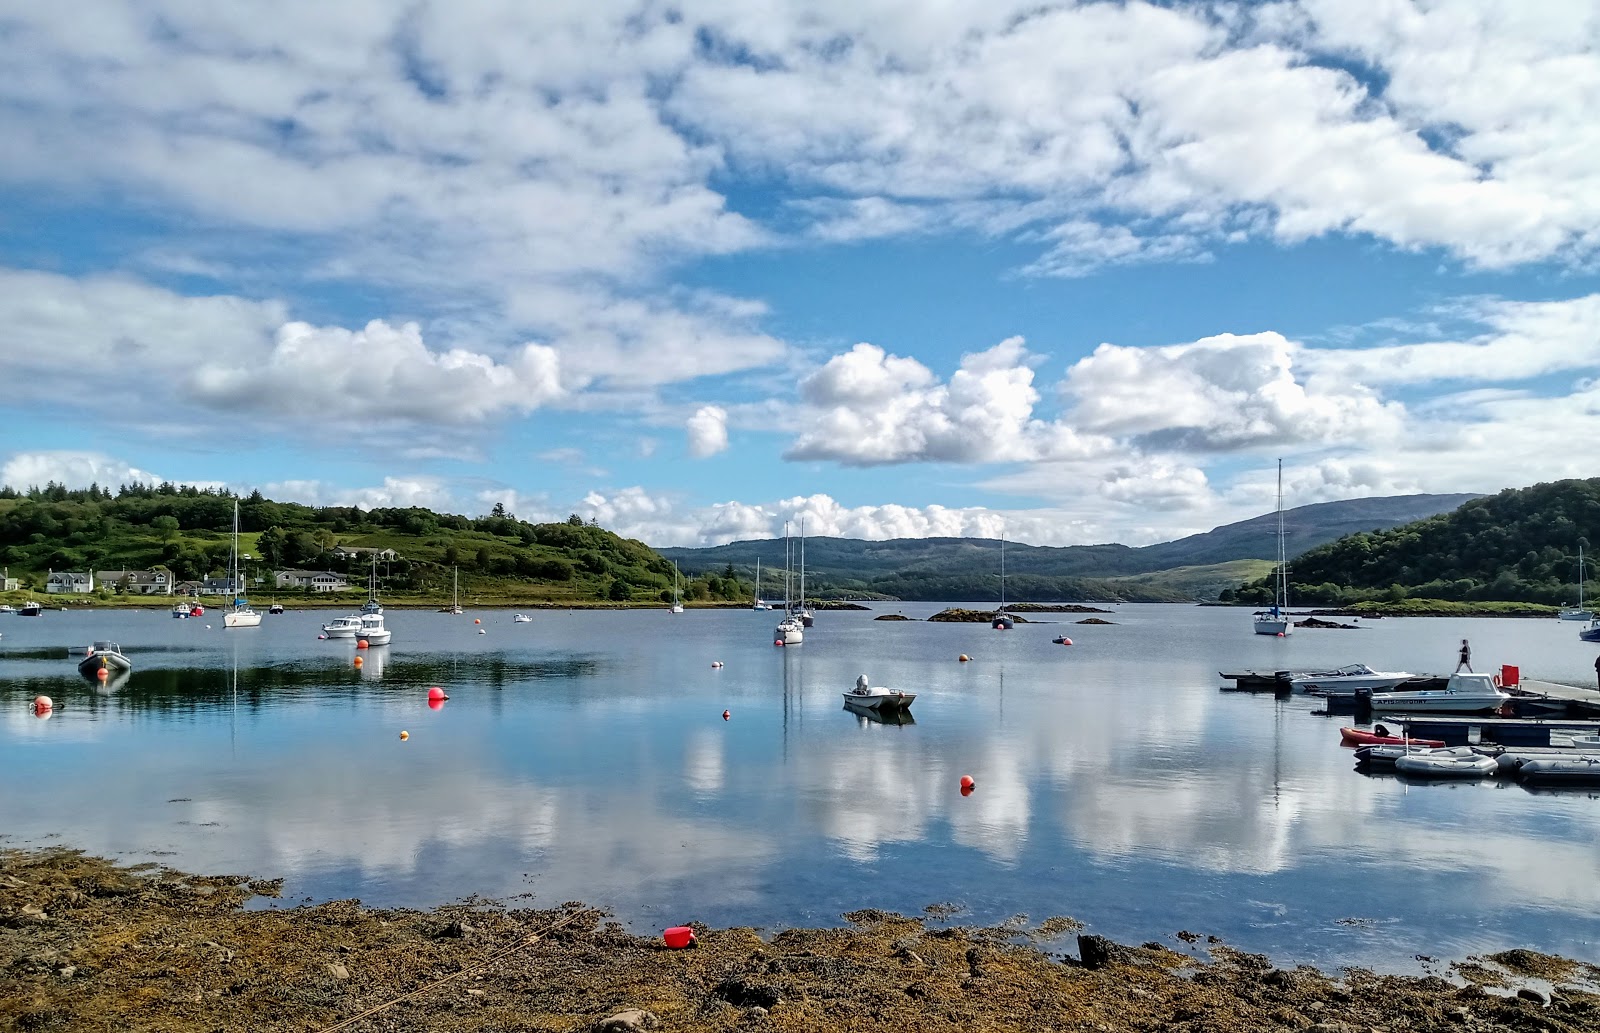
{"x": 1349, "y": 678}
{"x": 240, "y": 615}
{"x": 372, "y": 630}
{"x": 521, "y": 618}
{"x": 789, "y": 632}
{"x": 1275, "y": 621}
{"x": 1465, "y": 693}
{"x": 1434, "y": 764}
{"x": 342, "y": 627}
{"x": 106, "y": 656}
{"x": 1578, "y": 613}
{"x": 876, "y": 697}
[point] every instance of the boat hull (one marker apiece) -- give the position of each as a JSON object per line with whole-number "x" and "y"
{"x": 1431, "y": 765}
{"x": 1374, "y": 683}
{"x": 1274, "y": 626}
{"x": 241, "y": 619}
{"x": 883, "y": 701}
{"x": 1551, "y": 771}
{"x": 115, "y": 663}
{"x": 1445, "y": 702}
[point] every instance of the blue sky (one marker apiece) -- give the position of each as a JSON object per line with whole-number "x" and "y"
{"x": 1080, "y": 271}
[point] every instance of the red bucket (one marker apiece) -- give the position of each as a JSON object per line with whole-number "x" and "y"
{"x": 678, "y": 936}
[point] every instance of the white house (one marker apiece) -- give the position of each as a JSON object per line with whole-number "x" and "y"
{"x": 351, "y": 552}
{"x": 136, "y": 582}
{"x": 318, "y": 580}
{"x": 62, "y": 581}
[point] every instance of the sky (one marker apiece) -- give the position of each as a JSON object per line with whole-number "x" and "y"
{"x": 1074, "y": 273}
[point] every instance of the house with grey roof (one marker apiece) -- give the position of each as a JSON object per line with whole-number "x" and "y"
{"x": 59, "y": 582}
{"x": 136, "y": 582}
{"x": 316, "y": 580}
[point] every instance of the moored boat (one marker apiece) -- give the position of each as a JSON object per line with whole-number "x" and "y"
{"x": 1445, "y": 765}
{"x": 1467, "y": 692}
{"x": 342, "y": 627}
{"x": 1577, "y": 769}
{"x": 30, "y": 609}
{"x": 103, "y": 656}
{"x": 371, "y": 629}
{"x": 1276, "y": 621}
{"x": 1351, "y": 676}
{"x": 1382, "y": 756}
{"x": 1380, "y": 734}
{"x": 876, "y": 697}
{"x": 521, "y": 618}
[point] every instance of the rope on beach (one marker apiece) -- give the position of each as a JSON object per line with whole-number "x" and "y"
{"x": 526, "y": 941}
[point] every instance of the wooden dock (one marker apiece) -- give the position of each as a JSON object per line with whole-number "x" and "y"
{"x": 1583, "y": 699}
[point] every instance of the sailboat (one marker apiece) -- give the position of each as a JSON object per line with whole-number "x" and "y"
{"x": 1578, "y": 614}
{"x": 240, "y": 616}
{"x": 677, "y": 598}
{"x": 455, "y": 605}
{"x": 372, "y": 605}
{"x": 791, "y": 631}
{"x": 1276, "y": 620}
{"x": 756, "y": 603}
{"x": 799, "y": 609}
{"x": 1003, "y": 621}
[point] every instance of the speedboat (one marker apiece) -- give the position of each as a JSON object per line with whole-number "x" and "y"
{"x": 342, "y": 627}
{"x": 103, "y": 656}
{"x": 1465, "y": 693}
{"x": 876, "y": 697}
{"x": 522, "y": 618}
{"x": 789, "y": 632}
{"x": 371, "y": 629}
{"x": 1354, "y": 676}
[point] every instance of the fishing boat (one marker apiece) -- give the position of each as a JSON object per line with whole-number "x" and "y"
{"x": 1002, "y": 621}
{"x": 876, "y": 697}
{"x": 1578, "y": 613}
{"x": 1275, "y": 621}
{"x": 1466, "y": 693}
{"x": 30, "y": 609}
{"x": 275, "y": 608}
{"x": 240, "y": 615}
{"x": 180, "y": 610}
{"x": 1592, "y": 632}
{"x": 455, "y": 605}
{"x": 103, "y": 656}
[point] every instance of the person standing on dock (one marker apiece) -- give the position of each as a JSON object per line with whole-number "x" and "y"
{"x": 1466, "y": 657}
{"x": 1597, "y": 672}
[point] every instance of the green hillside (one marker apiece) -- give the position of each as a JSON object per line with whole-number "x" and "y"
{"x": 1520, "y": 545}
{"x": 186, "y": 531}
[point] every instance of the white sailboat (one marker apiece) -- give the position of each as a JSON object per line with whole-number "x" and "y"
{"x": 1578, "y": 613}
{"x": 677, "y": 597}
{"x": 1002, "y": 620}
{"x": 372, "y": 605}
{"x": 240, "y": 615}
{"x": 791, "y": 631}
{"x": 1276, "y": 620}
{"x": 799, "y": 608}
{"x": 756, "y": 603}
{"x": 455, "y": 605}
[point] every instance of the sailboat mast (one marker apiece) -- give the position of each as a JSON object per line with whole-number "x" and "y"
{"x": 1283, "y": 560}
{"x": 802, "y": 563}
{"x": 1002, "y": 569}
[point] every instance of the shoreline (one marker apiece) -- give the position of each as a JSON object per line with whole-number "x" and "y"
{"x": 91, "y": 944}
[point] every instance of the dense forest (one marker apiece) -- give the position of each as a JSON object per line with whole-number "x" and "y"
{"x": 1520, "y": 545}
{"x": 186, "y": 531}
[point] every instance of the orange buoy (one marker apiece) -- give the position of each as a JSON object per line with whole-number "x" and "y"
{"x": 678, "y": 936}
{"x": 102, "y": 674}
{"x": 405, "y": 735}
{"x": 726, "y": 714}
{"x": 361, "y": 643}
{"x": 476, "y": 621}
{"x": 358, "y": 661}
{"x": 437, "y": 693}
{"x": 966, "y": 790}
{"x": 967, "y": 782}
{"x": 1066, "y": 641}
{"x": 963, "y": 658}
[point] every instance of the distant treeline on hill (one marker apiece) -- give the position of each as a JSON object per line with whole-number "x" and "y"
{"x": 186, "y": 531}
{"x": 1520, "y": 545}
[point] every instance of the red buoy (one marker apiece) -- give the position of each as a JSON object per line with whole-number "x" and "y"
{"x": 1280, "y": 634}
{"x": 102, "y": 674}
{"x": 967, "y": 782}
{"x": 726, "y": 715}
{"x": 777, "y": 641}
{"x": 476, "y": 621}
{"x": 43, "y": 702}
{"x": 361, "y": 643}
{"x": 435, "y": 704}
{"x": 678, "y": 936}
{"x": 966, "y": 790}
{"x": 437, "y": 693}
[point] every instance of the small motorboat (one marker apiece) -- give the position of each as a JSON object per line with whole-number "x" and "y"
{"x": 104, "y": 656}
{"x": 876, "y": 697}
{"x": 1466, "y": 693}
{"x": 371, "y": 629}
{"x": 275, "y": 608}
{"x": 522, "y": 618}
{"x": 1353, "y": 676}
{"x": 1438, "y": 764}
{"x": 342, "y": 627}
{"x": 1380, "y": 734}
{"x": 30, "y": 609}
{"x": 180, "y": 611}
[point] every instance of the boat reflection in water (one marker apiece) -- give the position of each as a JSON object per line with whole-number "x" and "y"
{"x": 865, "y": 716}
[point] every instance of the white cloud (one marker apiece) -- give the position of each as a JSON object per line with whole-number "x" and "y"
{"x": 868, "y": 408}
{"x": 398, "y": 492}
{"x": 708, "y": 431}
{"x": 23, "y": 470}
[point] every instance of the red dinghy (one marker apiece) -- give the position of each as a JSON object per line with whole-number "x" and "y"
{"x": 1356, "y": 737}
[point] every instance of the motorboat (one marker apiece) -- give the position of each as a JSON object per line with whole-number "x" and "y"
{"x": 342, "y": 627}
{"x": 789, "y": 632}
{"x": 1436, "y": 764}
{"x": 1352, "y": 676}
{"x": 240, "y": 615}
{"x": 1592, "y": 632}
{"x": 1466, "y": 693}
{"x": 876, "y": 697}
{"x": 7, "y": 608}
{"x": 180, "y": 610}
{"x": 30, "y": 609}
{"x": 275, "y": 608}
{"x": 103, "y": 656}
{"x": 371, "y": 629}
{"x": 521, "y": 618}
{"x": 1275, "y": 621}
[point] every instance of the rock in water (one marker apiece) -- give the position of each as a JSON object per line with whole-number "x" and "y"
{"x": 1098, "y": 952}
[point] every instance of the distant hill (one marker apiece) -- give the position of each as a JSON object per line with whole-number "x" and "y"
{"x": 968, "y": 568}
{"x": 1520, "y": 545}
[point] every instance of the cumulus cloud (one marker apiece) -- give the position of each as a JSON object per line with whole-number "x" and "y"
{"x": 23, "y": 470}
{"x": 399, "y": 492}
{"x": 868, "y": 408}
{"x": 708, "y": 431}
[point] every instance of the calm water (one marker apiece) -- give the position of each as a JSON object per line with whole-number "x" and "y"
{"x": 584, "y": 756}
